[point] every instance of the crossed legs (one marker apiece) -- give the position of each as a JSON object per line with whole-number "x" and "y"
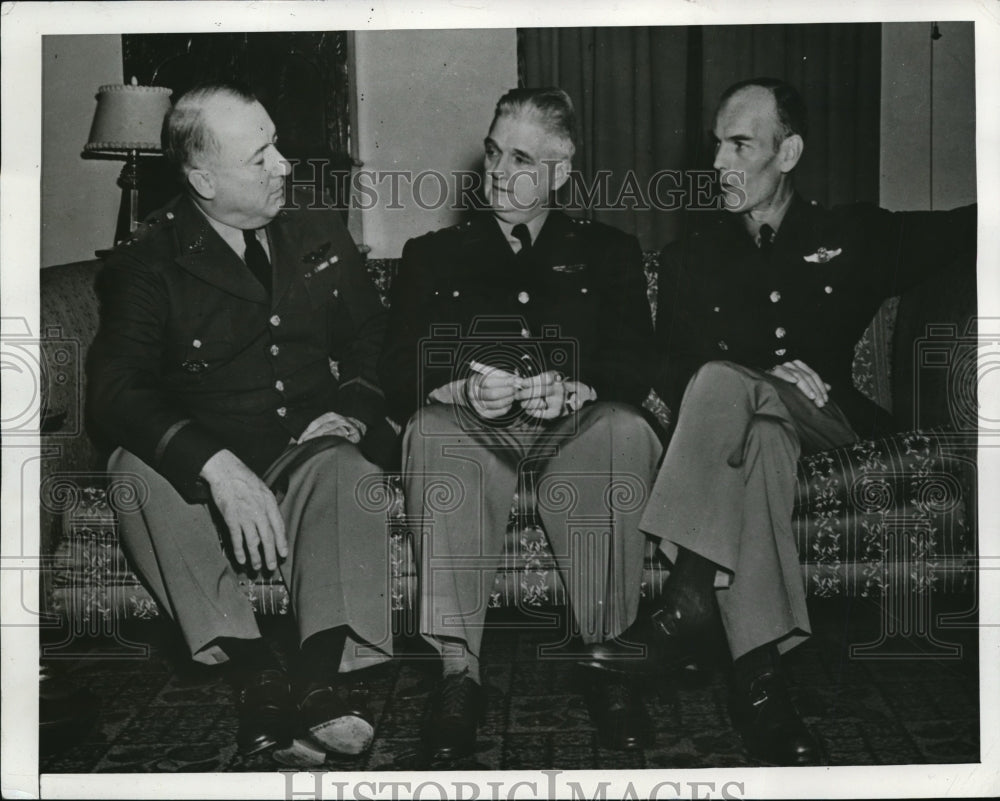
{"x": 724, "y": 498}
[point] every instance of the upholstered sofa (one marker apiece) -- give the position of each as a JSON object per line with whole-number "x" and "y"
{"x": 882, "y": 518}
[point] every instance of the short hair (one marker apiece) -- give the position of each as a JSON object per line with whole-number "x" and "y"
{"x": 550, "y": 105}
{"x": 791, "y": 108}
{"x": 185, "y": 135}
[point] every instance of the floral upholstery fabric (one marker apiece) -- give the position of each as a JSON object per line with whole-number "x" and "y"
{"x": 869, "y": 518}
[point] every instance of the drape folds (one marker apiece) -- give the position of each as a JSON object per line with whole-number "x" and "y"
{"x": 646, "y": 99}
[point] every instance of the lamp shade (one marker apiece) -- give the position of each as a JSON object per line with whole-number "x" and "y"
{"x": 128, "y": 117}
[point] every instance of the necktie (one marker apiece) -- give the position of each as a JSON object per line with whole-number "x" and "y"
{"x": 257, "y": 260}
{"x": 522, "y": 235}
{"x": 766, "y": 237}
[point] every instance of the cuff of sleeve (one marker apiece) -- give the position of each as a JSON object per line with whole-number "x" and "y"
{"x": 180, "y": 457}
{"x": 452, "y": 393}
{"x": 361, "y": 401}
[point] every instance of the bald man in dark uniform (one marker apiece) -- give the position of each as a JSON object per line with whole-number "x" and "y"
{"x": 759, "y": 311}
{"x": 521, "y": 339}
{"x": 211, "y": 374}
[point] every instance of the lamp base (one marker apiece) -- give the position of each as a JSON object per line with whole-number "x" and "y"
{"x": 128, "y": 212}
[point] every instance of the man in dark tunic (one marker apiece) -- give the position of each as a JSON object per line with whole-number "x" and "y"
{"x": 520, "y": 340}
{"x": 759, "y": 310}
{"x": 211, "y": 374}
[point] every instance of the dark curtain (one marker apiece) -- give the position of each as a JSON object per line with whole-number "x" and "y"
{"x": 646, "y": 100}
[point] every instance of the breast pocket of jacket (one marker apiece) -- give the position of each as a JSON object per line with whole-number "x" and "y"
{"x": 572, "y": 289}
{"x": 200, "y": 343}
{"x": 323, "y": 286}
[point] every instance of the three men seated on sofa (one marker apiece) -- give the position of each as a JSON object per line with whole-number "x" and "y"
{"x": 210, "y": 372}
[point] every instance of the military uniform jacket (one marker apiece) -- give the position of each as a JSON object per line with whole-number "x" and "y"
{"x": 192, "y": 356}
{"x": 576, "y": 303}
{"x": 809, "y": 297}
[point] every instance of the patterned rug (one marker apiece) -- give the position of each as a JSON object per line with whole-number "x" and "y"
{"x": 893, "y": 700}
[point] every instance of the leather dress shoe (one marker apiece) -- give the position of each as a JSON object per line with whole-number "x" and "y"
{"x": 676, "y": 641}
{"x": 769, "y": 724}
{"x": 66, "y": 711}
{"x": 336, "y": 718}
{"x": 617, "y": 711}
{"x": 264, "y": 704}
{"x": 618, "y": 656}
{"x": 452, "y": 717}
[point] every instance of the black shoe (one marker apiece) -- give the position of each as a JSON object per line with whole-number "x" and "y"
{"x": 617, "y": 711}
{"x": 619, "y": 656}
{"x": 452, "y": 717}
{"x": 676, "y": 640}
{"x": 769, "y": 724}
{"x": 265, "y": 711}
{"x": 336, "y": 718}
{"x": 66, "y": 711}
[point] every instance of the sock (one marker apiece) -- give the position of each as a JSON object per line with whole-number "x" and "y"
{"x": 457, "y": 658}
{"x": 319, "y": 657}
{"x": 691, "y": 587}
{"x": 248, "y": 655}
{"x": 754, "y": 664}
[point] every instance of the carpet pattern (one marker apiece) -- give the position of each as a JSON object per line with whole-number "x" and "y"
{"x": 161, "y": 713}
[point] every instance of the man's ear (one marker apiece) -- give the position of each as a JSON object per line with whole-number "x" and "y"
{"x": 560, "y": 173}
{"x": 202, "y": 182}
{"x": 789, "y": 152}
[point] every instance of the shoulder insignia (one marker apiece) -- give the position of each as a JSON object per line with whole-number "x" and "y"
{"x": 142, "y": 230}
{"x": 451, "y": 230}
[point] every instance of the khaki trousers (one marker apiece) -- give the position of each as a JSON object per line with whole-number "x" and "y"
{"x": 726, "y": 491}
{"x": 337, "y": 565}
{"x": 593, "y": 472}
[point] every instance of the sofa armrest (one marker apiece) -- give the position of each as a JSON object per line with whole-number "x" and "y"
{"x": 935, "y": 352}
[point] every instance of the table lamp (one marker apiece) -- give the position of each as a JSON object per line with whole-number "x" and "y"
{"x": 127, "y": 122}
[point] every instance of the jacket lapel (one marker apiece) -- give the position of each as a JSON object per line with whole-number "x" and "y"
{"x": 205, "y": 255}
{"x": 286, "y": 256}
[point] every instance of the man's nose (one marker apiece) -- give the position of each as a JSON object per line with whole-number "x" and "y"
{"x": 280, "y": 165}
{"x": 502, "y": 168}
{"x": 721, "y": 161}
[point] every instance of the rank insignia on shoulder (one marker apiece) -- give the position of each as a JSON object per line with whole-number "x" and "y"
{"x": 568, "y": 268}
{"x": 822, "y": 255}
{"x": 314, "y": 256}
{"x": 142, "y": 229}
{"x": 194, "y": 366}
